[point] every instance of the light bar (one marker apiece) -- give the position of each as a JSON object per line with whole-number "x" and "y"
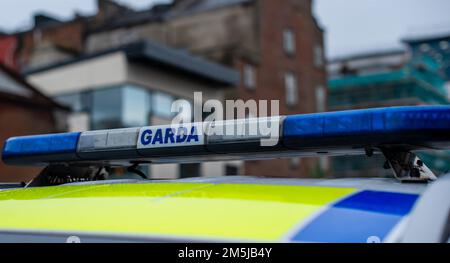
{"x": 333, "y": 133}
{"x": 117, "y": 144}
{"x": 415, "y": 127}
{"x": 43, "y": 148}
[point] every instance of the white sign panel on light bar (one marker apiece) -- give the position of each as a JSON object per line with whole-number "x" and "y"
{"x": 166, "y": 136}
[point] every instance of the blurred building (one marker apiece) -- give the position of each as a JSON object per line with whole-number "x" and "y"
{"x": 49, "y": 41}
{"x": 415, "y": 75}
{"x": 135, "y": 85}
{"x": 275, "y": 45}
{"x": 8, "y": 47}
{"x": 24, "y": 111}
{"x": 435, "y": 45}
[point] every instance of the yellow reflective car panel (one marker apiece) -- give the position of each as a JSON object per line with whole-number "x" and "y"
{"x": 192, "y": 210}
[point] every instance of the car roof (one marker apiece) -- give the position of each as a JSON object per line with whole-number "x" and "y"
{"x": 375, "y": 184}
{"x": 235, "y": 208}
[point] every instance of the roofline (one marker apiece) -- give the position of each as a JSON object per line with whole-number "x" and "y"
{"x": 152, "y": 18}
{"x": 160, "y": 17}
{"x": 368, "y": 54}
{"x": 425, "y": 37}
{"x": 80, "y": 58}
{"x": 169, "y": 15}
{"x": 29, "y": 102}
{"x": 163, "y": 56}
{"x": 30, "y": 29}
{"x": 17, "y": 77}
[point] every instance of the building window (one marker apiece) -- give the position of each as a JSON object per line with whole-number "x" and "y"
{"x": 231, "y": 170}
{"x": 135, "y": 107}
{"x": 320, "y": 99}
{"x": 294, "y": 163}
{"x": 290, "y": 84}
{"x": 190, "y": 170}
{"x": 120, "y": 107}
{"x": 77, "y": 102}
{"x": 73, "y": 101}
{"x": 162, "y": 105}
{"x": 249, "y": 77}
{"x": 107, "y": 108}
{"x": 424, "y": 48}
{"x": 444, "y": 45}
{"x": 318, "y": 56}
{"x": 288, "y": 41}
{"x": 127, "y": 36}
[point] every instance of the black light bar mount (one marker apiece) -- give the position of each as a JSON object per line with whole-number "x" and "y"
{"x": 407, "y": 166}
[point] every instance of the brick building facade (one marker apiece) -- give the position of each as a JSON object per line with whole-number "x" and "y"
{"x": 275, "y": 65}
{"x": 8, "y": 46}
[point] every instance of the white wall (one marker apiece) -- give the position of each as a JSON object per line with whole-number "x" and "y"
{"x": 164, "y": 81}
{"x": 101, "y": 71}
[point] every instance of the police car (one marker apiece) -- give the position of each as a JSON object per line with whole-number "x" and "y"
{"x": 73, "y": 200}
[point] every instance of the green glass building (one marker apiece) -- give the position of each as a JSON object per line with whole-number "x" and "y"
{"x": 416, "y": 75}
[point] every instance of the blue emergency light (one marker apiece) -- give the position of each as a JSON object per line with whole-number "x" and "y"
{"x": 332, "y": 133}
